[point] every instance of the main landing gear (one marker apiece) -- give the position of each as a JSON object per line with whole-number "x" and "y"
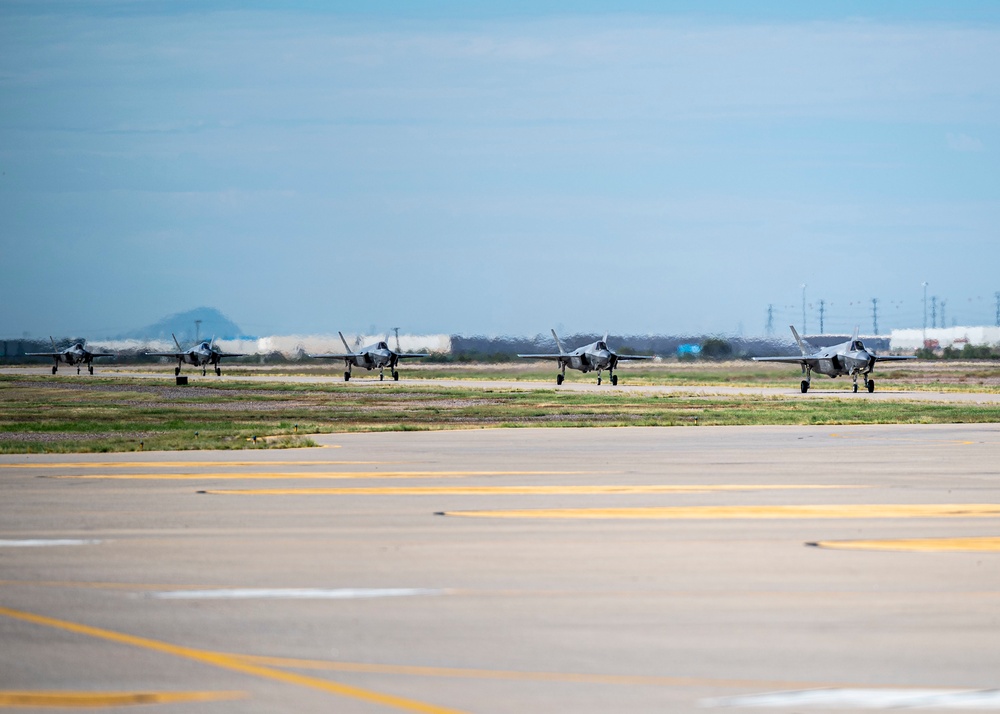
{"x": 869, "y": 384}
{"x": 612, "y": 375}
{"x": 807, "y": 373}
{"x": 55, "y": 368}
{"x": 347, "y": 376}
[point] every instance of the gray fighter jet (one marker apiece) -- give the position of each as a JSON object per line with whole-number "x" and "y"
{"x": 847, "y": 358}
{"x": 74, "y": 354}
{"x": 377, "y": 356}
{"x": 595, "y": 356}
{"x": 200, "y": 355}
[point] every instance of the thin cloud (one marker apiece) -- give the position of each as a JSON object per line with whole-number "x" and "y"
{"x": 963, "y": 143}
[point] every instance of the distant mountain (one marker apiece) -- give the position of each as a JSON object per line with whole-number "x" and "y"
{"x": 187, "y": 328}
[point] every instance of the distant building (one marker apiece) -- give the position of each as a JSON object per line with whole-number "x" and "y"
{"x": 941, "y": 337}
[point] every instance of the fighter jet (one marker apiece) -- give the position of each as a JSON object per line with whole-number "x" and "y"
{"x": 373, "y": 356}
{"x": 596, "y": 355}
{"x": 74, "y": 354}
{"x": 200, "y": 355}
{"x": 847, "y": 358}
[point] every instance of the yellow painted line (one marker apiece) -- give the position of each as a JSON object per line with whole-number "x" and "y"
{"x": 230, "y": 662}
{"x": 320, "y": 475}
{"x": 501, "y": 490}
{"x": 106, "y": 586}
{"x": 964, "y": 510}
{"x": 492, "y": 674}
{"x": 986, "y": 544}
{"x": 109, "y": 699}
{"x": 181, "y": 464}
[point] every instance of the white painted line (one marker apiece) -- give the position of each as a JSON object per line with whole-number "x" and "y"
{"x": 38, "y": 542}
{"x": 293, "y": 593}
{"x": 980, "y": 699}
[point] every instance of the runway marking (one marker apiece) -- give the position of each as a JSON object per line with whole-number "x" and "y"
{"x": 968, "y": 510}
{"x": 294, "y": 593}
{"x": 507, "y": 490}
{"x": 45, "y": 542}
{"x": 984, "y": 544}
{"x": 322, "y": 475}
{"x": 866, "y": 698}
{"x": 182, "y": 464}
{"x": 96, "y": 586}
{"x": 494, "y": 674}
{"x": 230, "y": 662}
{"x": 109, "y": 699}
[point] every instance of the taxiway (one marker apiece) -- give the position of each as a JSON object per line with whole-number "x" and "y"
{"x": 585, "y": 570}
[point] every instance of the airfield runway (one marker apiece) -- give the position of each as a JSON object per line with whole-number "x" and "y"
{"x": 548, "y": 570}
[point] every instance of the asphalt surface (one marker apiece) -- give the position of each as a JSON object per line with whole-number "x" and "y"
{"x": 549, "y": 570}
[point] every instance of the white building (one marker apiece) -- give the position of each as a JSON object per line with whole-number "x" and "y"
{"x": 941, "y": 337}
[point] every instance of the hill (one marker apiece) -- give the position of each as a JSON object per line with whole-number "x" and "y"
{"x": 189, "y": 326}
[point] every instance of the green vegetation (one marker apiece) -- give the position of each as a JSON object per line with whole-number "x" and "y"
{"x": 45, "y": 414}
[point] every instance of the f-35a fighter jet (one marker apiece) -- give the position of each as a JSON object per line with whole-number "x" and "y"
{"x": 200, "y": 355}
{"x": 377, "y": 356}
{"x": 847, "y": 358}
{"x": 74, "y": 354}
{"x": 595, "y": 356}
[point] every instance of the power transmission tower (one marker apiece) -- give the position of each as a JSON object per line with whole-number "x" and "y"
{"x": 875, "y": 315}
{"x": 934, "y": 312}
{"x": 822, "y": 306}
{"x": 944, "y": 323}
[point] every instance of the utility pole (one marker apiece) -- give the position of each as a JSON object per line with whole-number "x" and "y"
{"x": 770, "y": 319}
{"x": 925, "y": 312}
{"x": 875, "y": 315}
{"x": 944, "y": 323}
{"x": 822, "y": 305}
{"x": 804, "y": 330}
{"x": 934, "y": 312}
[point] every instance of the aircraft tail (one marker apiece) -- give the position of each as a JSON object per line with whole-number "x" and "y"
{"x": 349, "y": 350}
{"x": 53, "y": 344}
{"x": 802, "y": 345}
{"x": 179, "y": 349}
{"x": 558, "y": 343}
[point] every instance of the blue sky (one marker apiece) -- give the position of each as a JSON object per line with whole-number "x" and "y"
{"x": 502, "y": 168}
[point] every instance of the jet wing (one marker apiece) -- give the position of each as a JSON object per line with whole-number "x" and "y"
{"x": 543, "y": 356}
{"x": 230, "y": 354}
{"x": 43, "y": 354}
{"x": 410, "y": 354}
{"x": 622, "y": 358}
{"x": 893, "y": 358}
{"x": 344, "y": 356}
{"x": 796, "y": 360}
{"x": 175, "y": 355}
